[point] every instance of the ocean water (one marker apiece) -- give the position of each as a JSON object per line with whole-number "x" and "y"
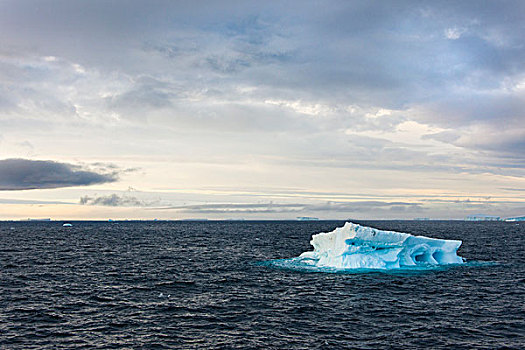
{"x": 214, "y": 285}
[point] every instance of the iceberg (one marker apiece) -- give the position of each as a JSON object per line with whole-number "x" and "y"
{"x": 359, "y": 247}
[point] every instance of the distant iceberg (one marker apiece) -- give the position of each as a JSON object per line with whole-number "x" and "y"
{"x": 359, "y": 247}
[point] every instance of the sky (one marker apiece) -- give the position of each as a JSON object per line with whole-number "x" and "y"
{"x": 261, "y": 109}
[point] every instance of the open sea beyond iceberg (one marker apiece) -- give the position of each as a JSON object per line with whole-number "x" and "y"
{"x": 262, "y": 285}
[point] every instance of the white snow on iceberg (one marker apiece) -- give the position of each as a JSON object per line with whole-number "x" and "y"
{"x": 358, "y": 247}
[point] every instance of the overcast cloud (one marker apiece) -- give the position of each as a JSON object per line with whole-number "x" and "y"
{"x": 247, "y": 91}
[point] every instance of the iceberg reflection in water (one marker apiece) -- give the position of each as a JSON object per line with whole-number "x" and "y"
{"x": 358, "y": 247}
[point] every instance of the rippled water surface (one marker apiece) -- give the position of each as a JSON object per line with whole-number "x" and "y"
{"x": 202, "y": 285}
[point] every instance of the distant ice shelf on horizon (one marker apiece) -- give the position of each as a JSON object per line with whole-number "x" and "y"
{"x": 359, "y": 247}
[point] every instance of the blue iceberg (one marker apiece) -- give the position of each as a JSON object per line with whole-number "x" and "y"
{"x": 359, "y": 247}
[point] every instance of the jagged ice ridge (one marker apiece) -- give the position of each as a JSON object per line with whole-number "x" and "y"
{"x": 354, "y": 246}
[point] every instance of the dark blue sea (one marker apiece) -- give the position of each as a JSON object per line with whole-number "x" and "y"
{"x": 208, "y": 285}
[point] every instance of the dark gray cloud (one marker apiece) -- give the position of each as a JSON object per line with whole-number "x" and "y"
{"x": 114, "y": 200}
{"x": 25, "y": 174}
